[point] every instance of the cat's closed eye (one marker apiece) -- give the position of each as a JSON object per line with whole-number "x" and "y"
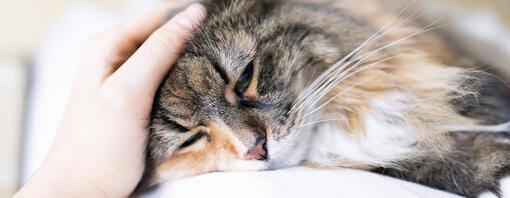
{"x": 193, "y": 139}
{"x": 244, "y": 81}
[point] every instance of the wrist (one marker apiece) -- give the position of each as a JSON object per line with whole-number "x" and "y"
{"x": 56, "y": 177}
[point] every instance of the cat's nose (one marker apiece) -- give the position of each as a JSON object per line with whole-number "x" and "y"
{"x": 258, "y": 152}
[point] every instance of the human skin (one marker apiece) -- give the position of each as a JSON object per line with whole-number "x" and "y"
{"x": 99, "y": 150}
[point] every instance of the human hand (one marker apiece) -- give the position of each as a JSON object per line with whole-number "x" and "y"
{"x": 99, "y": 150}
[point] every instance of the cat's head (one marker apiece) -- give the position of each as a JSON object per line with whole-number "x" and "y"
{"x": 229, "y": 104}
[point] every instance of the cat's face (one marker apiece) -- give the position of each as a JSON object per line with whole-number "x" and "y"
{"x": 227, "y": 105}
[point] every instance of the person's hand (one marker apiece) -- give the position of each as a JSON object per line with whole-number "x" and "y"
{"x": 99, "y": 150}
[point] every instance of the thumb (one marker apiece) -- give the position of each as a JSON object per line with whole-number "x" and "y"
{"x": 145, "y": 70}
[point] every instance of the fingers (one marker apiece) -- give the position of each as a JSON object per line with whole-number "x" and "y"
{"x": 143, "y": 72}
{"x": 105, "y": 52}
{"x": 137, "y": 29}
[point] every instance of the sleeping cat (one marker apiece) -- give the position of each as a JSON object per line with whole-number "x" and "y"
{"x": 268, "y": 84}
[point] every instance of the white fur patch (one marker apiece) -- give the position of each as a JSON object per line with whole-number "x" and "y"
{"x": 388, "y": 138}
{"x": 487, "y": 194}
{"x": 504, "y": 186}
{"x": 290, "y": 150}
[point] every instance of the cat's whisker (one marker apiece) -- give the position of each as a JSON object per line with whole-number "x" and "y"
{"x": 334, "y": 81}
{"x": 371, "y": 40}
{"x": 355, "y": 85}
{"x": 421, "y": 31}
{"x": 317, "y": 122}
{"x": 310, "y": 81}
{"x": 368, "y": 55}
{"x": 326, "y": 76}
{"x": 336, "y": 96}
{"x": 375, "y": 36}
{"x": 325, "y": 89}
{"x": 342, "y": 77}
{"x": 321, "y": 93}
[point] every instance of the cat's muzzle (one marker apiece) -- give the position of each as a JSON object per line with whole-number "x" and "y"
{"x": 258, "y": 152}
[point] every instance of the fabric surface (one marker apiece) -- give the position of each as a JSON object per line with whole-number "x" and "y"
{"x": 295, "y": 182}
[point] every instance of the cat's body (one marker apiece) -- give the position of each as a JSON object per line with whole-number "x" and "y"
{"x": 345, "y": 83}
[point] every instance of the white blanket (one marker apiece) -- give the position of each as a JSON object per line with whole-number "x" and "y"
{"x": 296, "y": 183}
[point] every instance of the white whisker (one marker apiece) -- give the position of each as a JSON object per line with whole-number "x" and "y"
{"x": 336, "y": 74}
{"x": 327, "y": 76}
{"x": 370, "y": 40}
{"x": 334, "y": 97}
{"x": 370, "y": 65}
{"x": 350, "y": 75}
{"x": 317, "y": 122}
{"x": 337, "y": 80}
{"x": 323, "y": 91}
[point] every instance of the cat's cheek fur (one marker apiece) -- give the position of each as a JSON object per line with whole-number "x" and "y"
{"x": 290, "y": 150}
{"x": 222, "y": 152}
{"x": 178, "y": 172}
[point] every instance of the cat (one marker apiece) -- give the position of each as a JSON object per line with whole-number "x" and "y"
{"x": 364, "y": 84}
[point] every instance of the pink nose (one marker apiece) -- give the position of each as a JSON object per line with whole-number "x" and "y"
{"x": 258, "y": 152}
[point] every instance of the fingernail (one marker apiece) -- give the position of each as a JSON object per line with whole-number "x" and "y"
{"x": 192, "y": 16}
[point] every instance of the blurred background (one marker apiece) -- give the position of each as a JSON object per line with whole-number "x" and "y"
{"x": 39, "y": 48}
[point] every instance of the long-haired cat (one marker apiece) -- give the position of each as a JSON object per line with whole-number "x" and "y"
{"x": 364, "y": 84}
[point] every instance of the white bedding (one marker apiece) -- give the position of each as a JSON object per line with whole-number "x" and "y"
{"x": 296, "y": 183}
{"x": 54, "y": 69}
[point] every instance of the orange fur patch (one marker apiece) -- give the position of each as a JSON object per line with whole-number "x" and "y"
{"x": 217, "y": 155}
